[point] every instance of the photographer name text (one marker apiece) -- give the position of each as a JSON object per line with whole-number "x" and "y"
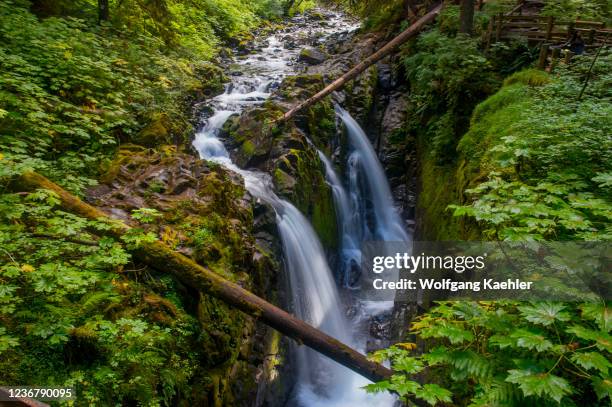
{"x": 451, "y": 285}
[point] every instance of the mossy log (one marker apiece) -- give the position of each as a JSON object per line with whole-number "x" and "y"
{"x": 410, "y": 32}
{"x": 161, "y": 257}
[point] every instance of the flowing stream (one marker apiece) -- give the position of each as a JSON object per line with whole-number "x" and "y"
{"x": 314, "y": 293}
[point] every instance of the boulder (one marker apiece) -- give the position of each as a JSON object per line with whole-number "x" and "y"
{"x": 312, "y": 56}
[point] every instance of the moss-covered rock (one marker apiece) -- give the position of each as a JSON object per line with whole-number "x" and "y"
{"x": 444, "y": 185}
{"x": 206, "y": 214}
{"x": 211, "y": 80}
{"x": 361, "y": 94}
{"x": 250, "y": 136}
{"x": 298, "y": 176}
{"x": 156, "y": 132}
{"x": 312, "y": 56}
{"x": 288, "y": 152}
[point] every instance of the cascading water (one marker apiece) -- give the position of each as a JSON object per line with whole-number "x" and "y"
{"x": 366, "y": 172}
{"x": 315, "y": 297}
{"x": 349, "y": 222}
{"x": 366, "y": 211}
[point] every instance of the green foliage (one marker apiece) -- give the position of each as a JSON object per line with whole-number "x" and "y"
{"x": 74, "y": 309}
{"x": 376, "y": 14}
{"x": 71, "y": 90}
{"x": 546, "y": 157}
{"x": 448, "y": 75}
{"x": 69, "y": 93}
{"x": 299, "y": 6}
{"x": 569, "y": 10}
{"x": 507, "y": 353}
{"x": 71, "y": 317}
{"x": 146, "y": 215}
{"x": 564, "y": 10}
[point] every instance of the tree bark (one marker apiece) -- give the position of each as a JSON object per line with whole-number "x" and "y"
{"x": 103, "y": 12}
{"x": 466, "y": 17}
{"x": 363, "y": 65}
{"x": 160, "y": 256}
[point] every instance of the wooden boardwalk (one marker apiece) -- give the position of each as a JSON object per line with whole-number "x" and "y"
{"x": 525, "y": 22}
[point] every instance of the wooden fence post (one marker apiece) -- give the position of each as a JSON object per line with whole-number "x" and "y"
{"x": 549, "y": 27}
{"x": 568, "y": 56}
{"x": 498, "y": 31}
{"x": 543, "y": 56}
{"x": 555, "y": 57}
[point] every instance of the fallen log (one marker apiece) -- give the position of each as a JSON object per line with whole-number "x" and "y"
{"x": 363, "y": 65}
{"x": 160, "y": 256}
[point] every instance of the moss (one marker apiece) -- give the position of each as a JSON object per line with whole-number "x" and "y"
{"x": 491, "y": 120}
{"x": 321, "y": 123}
{"x": 284, "y": 182}
{"x": 253, "y": 132}
{"x": 212, "y": 79}
{"x": 155, "y": 133}
{"x": 313, "y": 196}
{"x": 362, "y": 93}
{"x": 531, "y": 77}
{"x": 444, "y": 185}
{"x": 248, "y": 149}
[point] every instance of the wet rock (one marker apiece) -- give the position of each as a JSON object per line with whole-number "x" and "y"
{"x": 386, "y": 80}
{"x": 284, "y": 182}
{"x": 380, "y": 326}
{"x": 312, "y": 56}
{"x": 395, "y": 113}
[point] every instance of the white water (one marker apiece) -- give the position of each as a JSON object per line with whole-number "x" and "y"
{"x": 366, "y": 211}
{"x": 349, "y": 221}
{"x": 368, "y": 182}
{"x": 314, "y": 294}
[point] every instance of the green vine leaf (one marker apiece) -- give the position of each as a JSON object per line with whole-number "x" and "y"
{"x": 540, "y": 384}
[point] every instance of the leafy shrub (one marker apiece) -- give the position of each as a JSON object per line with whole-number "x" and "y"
{"x": 505, "y": 353}
{"x": 69, "y": 95}
{"x": 72, "y": 317}
{"x": 71, "y": 90}
{"x": 597, "y": 10}
{"x": 448, "y": 76}
{"x": 546, "y": 155}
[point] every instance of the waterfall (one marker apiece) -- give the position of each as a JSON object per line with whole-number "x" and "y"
{"x": 315, "y": 298}
{"x": 314, "y": 295}
{"x": 368, "y": 184}
{"x": 366, "y": 211}
{"x": 349, "y": 225}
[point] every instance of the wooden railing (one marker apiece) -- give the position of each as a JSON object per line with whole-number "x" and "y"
{"x": 545, "y": 31}
{"x": 539, "y": 28}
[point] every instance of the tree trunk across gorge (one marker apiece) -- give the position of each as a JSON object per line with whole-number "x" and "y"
{"x": 410, "y": 32}
{"x": 161, "y": 257}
